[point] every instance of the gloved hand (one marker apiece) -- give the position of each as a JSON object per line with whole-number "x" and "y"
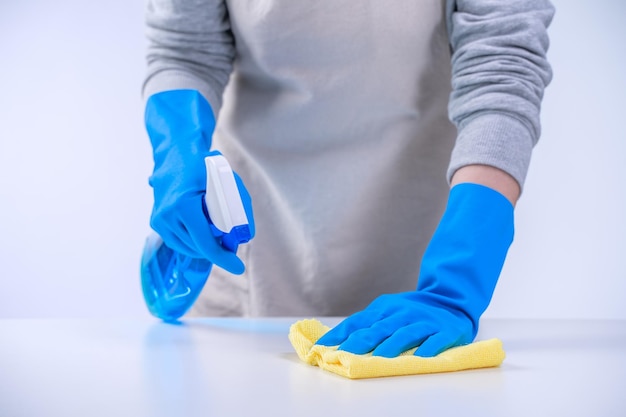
{"x": 180, "y": 125}
{"x": 457, "y": 278}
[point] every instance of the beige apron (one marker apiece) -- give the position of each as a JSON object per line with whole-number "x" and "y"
{"x": 336, "y": 118}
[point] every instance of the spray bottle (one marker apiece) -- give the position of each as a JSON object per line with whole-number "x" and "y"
{"x": 171, "y": 282}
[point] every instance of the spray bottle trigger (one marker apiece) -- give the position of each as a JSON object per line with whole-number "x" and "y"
{"x": 223, "y": 202}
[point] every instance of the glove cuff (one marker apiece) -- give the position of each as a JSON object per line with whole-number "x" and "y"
{"x": 465, "y": 256}
{"x": 181, "y": 119}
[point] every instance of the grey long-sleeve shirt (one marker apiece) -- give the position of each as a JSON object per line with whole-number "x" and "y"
{"x": 337, "y": 116}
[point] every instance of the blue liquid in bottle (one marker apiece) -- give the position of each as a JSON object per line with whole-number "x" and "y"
{"x": 170, "y": 281}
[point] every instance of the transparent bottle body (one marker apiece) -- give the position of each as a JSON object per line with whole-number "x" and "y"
{"x": 171, "y": 282}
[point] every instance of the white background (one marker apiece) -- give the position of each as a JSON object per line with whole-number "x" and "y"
{"x": 74, "y": 163}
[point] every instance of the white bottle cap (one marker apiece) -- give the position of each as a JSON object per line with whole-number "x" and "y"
{"x": 222, "y": 195}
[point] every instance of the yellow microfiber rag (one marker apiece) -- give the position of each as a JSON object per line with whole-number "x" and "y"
{"x": 304, "y": 333}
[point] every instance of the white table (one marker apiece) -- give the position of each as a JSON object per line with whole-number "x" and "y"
{"x": 247, "y": 367}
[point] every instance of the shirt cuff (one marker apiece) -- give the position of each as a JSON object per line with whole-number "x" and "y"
{"x": 493, "y": 139}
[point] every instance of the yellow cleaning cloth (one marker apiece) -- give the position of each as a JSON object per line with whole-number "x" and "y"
{"x": 304, "y": 333}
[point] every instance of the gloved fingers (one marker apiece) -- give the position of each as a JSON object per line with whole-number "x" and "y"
{"x": 341, "y": 332}
{"x": 199, "y": 231}
{"x": 172, "y": 240}
{"x": 247, "y": 203}
{"x": 174, "y": 233}
{"x": 403, "y": 339}
{"x": 437, "y": 343}
{"x": 367, "y": 339}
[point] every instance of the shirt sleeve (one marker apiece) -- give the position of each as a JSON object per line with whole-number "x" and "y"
{"x": 499, "y": 73}
{"x": 190, "y": 46}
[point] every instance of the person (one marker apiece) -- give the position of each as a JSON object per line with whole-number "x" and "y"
{"x": 384, "y": 147}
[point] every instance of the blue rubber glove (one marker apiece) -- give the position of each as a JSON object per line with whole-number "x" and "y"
{"x": 457, "y": 278}
{"x": 180, "y": 124}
